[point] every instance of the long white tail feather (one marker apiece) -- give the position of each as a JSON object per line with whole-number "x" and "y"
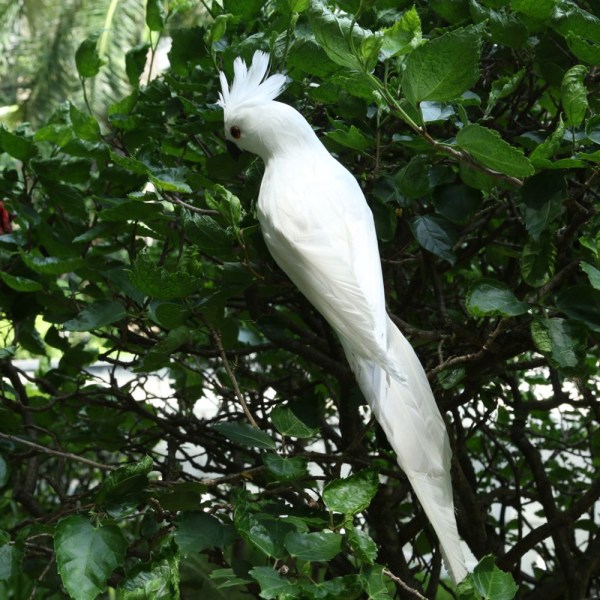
{"x": 411, "y": 420}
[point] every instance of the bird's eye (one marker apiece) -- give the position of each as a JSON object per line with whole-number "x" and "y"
{"x": 235, "y": 132}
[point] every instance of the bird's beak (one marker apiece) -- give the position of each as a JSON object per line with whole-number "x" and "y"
{"x": 233, "y": 150}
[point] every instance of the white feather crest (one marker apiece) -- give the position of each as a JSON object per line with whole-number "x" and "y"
{"x": 249, "y": 86}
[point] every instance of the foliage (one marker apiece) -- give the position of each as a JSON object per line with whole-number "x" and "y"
{"x": 134, "y": 272}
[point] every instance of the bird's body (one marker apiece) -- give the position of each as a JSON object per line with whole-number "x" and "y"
{"x": 320, "y": 231}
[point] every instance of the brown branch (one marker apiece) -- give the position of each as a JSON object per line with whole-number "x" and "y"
{"x": 46, "y": 450}
{"x": 236, "y": 388}
{"x": 403, "y": 585}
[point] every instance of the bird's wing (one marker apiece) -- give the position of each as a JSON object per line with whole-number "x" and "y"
{"x": 320, "y": 231}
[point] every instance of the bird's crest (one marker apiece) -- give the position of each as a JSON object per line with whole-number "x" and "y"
{"x": 250, "y": 86}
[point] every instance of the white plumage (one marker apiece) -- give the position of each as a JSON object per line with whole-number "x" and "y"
{"x": 320, "y": 231}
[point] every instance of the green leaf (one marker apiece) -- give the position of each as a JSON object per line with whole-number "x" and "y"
{"x": 272, "y": 585}
{"x": 313, "y": 547}
{"x": 196, "y": 530}
{"x": 125, "y": 483}
{"x": 17, "y": 146}
{"x": 549, "y": 147}
{"x": 20, "y": 284}
{"x": 503, "y": 87}
{"x": 227, "y": 204}
{"x": 493, "y": 583}
{"x": 345, "y": 43}
{"x": 435, "y": 234}
{"x": 286, "y": 468}
{"x": 155, "y": 15}
{"x": 573, "y": 95}
{"x": 488, "y": 297}
{"x": 84, "y": 126}
{"x": 52, "y": 265}
{"x": 593, "y": 274}
{"x": 159, "y": 355}
{"x": 4, "y": 472}
{"x": 353, "y": 494}
{"x": 87, "y": 59}
{"x": 171, "y": 180}
{"x": 298, "y": 6}
{"x": 489, "y": 149}
{"x": 537, "y": 260}
{"x": 582, "y": 303}
{"x": 135, "y": 63}
{"x": 457, "y": 202}
{"x": 363, "y": 546}
{"x": 288, "y": 424}
{"x": 158, "y": 282}
{"x": 86, "y": 556}
{"x": 207, "y": 235}
{"x": 542, "y": 197}
{"x": 263, "y": 531}
{"x": 585, "y": 50}
{"x": 96, "y": 315}
{"x": 9, "y": 559}
{"x": 443, "y": 68}
{"x": 413, "y": 179}
{"x": 538, "y": 9}
{"x": 245, "y": 434}
{"x": 156, "y": 580}
{"x": 404, "y": 35}
{"x": 559, "y": 339}
{"x": 351, "y": 138}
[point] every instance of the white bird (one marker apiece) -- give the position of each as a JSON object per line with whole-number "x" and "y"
{"x": 320, "y": 231}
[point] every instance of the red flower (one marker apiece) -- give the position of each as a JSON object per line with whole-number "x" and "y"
{"x": 5, "y": 220}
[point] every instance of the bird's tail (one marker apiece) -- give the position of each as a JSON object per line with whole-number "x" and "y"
{"x": 411, "y": 420}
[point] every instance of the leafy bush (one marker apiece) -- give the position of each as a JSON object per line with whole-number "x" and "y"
{"x": 473, "y": 130}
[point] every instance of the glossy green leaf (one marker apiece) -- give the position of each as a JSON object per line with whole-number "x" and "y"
{"x": 95, "y": 315}
{"x": 287, "y": 423}
{"x": 87, "y": 59}
{"x": 491, "y": 582}
{"x": 573, "y": 95}
{"x": 20, "y": 284}
{"x": 195, "y": 531}
{"x": 155, "y": 580}
{"x": 593, "y": 274}
{"x": 352, "y": 494}
{"x": 245, "y": 434}
{"x": 488, "y": 297}
{"x": 543, "y": 197}
{"x": 537, "y": 260}
{"x": 125, "y": 483}
{"x": 582, "y": 303}
{"x": 444, "y": 67}
{"x": 538, "y": 9}
{"x": 488, "y": 148}
{"x": 286, "y": 468}
{"x": 560, "y": 339}
{"x": 86, "y": 555}
{"x": 135, "y": 63}
{"x": 362, "y": 544}
{"x": 436, "y": 234}
{"x": 272, "y": 584}
{"x": 345, "y": 43}
{"x": 403, "y": 36}
{"x": 155, "y": 15}
{"x": 17, "y": 146}
{"x": 314, "y": 547}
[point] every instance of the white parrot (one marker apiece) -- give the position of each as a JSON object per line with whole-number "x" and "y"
{"x": 318, "y": 227}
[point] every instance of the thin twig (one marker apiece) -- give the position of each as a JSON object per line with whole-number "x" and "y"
{"x": 403, "y": 585}
{"x": 46, "y": 450}
{"x": 200, "y": 211}
{"x": 236, "y": 388}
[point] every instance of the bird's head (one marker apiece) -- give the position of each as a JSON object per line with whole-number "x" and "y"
{"x": 253, "y": 120}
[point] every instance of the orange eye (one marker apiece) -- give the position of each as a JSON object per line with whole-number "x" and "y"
{"x": 235, "y": 132}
